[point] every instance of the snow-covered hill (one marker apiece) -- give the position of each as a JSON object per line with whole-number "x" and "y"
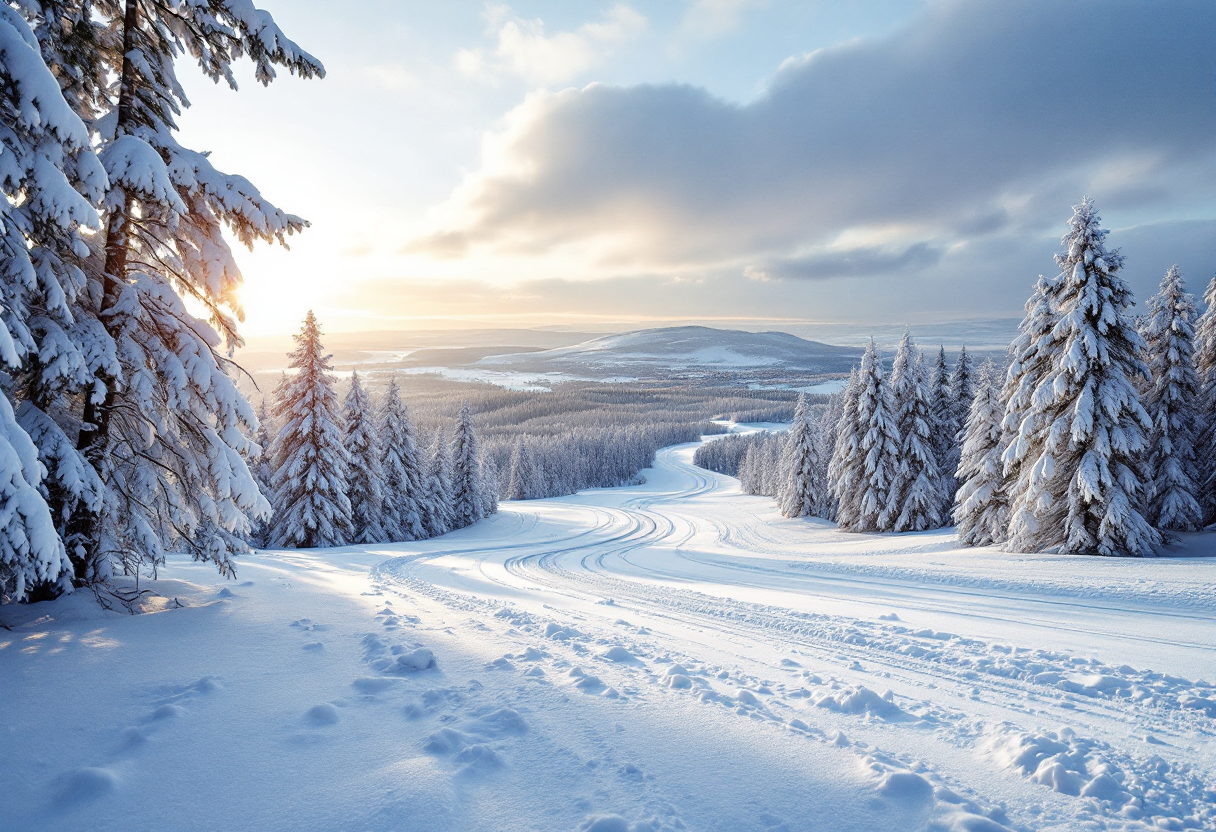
{"x": 682, "y": 349}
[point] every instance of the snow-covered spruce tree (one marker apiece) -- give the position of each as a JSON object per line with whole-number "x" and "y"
{"x": 165, "y": 427}
{"x": 490, "y": 485}
{"x": 941, "y": 422}
{"x": 844, "y": 469}
{"x": 825, "y": 435}
{"x": 1205, "y": 439}
{"x": 981, "y": 509}
{"x": 263, "y": 470}
{"x": 50, "y": 181}
{"x": 1085, "y": 458}
{"x": 962, "y": 393}
{"x": 365, "y": 476}
{"x": 878, "y": 447}
{"x": 1030, "y": 360}
{"x": 916, "y": 485}
{"x": 437, "y": 491}
{"x": 311, "y": 507}
{"x": 468, "y": 487}
{"x": 522, "y": 479}
{"x": 403, "y": 470}
{"x": 802, "y": 491}
{"x": 1171, "y": 402}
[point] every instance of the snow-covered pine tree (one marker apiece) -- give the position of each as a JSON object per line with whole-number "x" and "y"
{"x": 50, "y": 181}
{"x": 916, "y": 484}
{"x": 468, "y": 501}
{"x": 1086, "y": 456}
{"x": 403, "y": 488}
{"x": 437, "y": 502}
{"x": 521, "y": 483}
{"x": 878, "y": 447}
{"x": 365, "y": 475}
{"x": 311, "y": 506}
{"x": 263, "y": 472}
{"x": 941, "y": 420}
{"x": 961, "y": 395}
{"x": 825, "y": 435}
{"x": 1030, "y": 360}
{"x": 1171, "y": 402}
{"x": 844, "y": 469}
{"x": 1205, "y": 439}
{"x": 490, "y": 485}
{"x": 981, "y": 510}
{"x": 802, "y": 490}
{"x": 165, "y": 426}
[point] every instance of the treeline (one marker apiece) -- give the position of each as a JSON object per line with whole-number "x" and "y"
{"x": 585, "y": 434}
{"x": 1096, "y": 437}
{"x": 356, "y": 474}
{"x": 550, "y": 466}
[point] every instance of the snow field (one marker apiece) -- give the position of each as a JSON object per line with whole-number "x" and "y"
{"x": 668, "y": 656}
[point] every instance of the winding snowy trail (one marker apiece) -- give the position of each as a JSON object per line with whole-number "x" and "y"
{"x": 667, "y": 656}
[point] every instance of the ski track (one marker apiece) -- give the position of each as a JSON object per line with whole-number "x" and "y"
{"x": 1001, "y": 734}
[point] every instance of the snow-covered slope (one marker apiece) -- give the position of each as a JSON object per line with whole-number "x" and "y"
{"x": 685, "y": 348}
{"x": 668, "y": 656}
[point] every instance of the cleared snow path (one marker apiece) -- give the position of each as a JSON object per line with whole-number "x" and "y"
{"x": 668, "y": 656}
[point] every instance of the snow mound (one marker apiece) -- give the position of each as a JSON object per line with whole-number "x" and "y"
{"x": 621, "y": 655}
{"x": 678, "y": 681}
{"x": 586, "y": 682}
{"x": 499, "y": 723}
{"x": 558, "y": 632}
{"x": 85, "y": 785}
{"x": 858, "y": 699}
{"x": 905, "y": 787}
{"x": 321, "y": 715}
{"x": 371, "y": 684}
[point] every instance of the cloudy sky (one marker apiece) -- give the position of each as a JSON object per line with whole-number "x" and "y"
{"x": 749, "y": 162}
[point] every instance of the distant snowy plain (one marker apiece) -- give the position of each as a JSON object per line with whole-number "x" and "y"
{"x": 673, "y": 655}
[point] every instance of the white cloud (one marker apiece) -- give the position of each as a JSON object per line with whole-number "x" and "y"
{"x": 524, "y": 49}
{"x": 713, "y": 18}
{"x": 969, "y": 131}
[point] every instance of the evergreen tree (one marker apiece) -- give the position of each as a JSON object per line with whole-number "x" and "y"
{"x": 943, "y": 426}
{"x": 825, "y": 435}
{"x": 468, "y": 488}
{"x": 263, "y": 470}
{"x": 1205, "y": 439}
{"x": 878, "y": 447}
{"x": 490, "y": 485}
{"x": 365, "y": 476}
{"x": 164, "y": 425}
{"x": 844, "y": 470}
{"x": 404, "y": 492}
{"x": 1030, "y": 360}
{"x": 962, "y": 394}
{"x": 981, "y": 510}
{"x": 802, "y": 491}
{"x": 916, "y": 486}
{"x": 50, "y": 183}
{"x": 521, "y": 483}
{"x": 1084, "y": 460}
{"x": 311, "y": 464}
{"x": 437, "y": 515}
{"x": 1171, "y": 404}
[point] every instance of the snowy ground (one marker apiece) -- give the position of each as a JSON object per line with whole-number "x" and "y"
{"x": 668, "y": 656}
